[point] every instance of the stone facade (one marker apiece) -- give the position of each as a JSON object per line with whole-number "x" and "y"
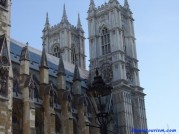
{"x": 5, "y": 69}
{"x": 50, "y": 92}
{"x": 65, "y": 36}
{"x": 44, "y": 92}
{"x": 113, "y": 50}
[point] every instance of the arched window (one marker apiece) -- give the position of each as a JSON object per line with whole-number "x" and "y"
{"x": 17, "y": 117}
{"x": 73, "y": 55}
{"x": 105, "y": 41}
{"x": 123, "y": 39}
{"x": 56, "y": 51}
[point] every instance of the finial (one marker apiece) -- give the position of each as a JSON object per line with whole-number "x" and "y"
{"x": 25, "y": 53}
{"x": 92, "y": 5}
{"x": 44, "y": 58}
{"x": 47, "y": 19}
{"x": 61, "y": 68}
{"x": 79, "y": 26}
{"x": 64, "y": 11}
{"x": 76, "y": 76}
{"x": 126, "y": 4}
{"x": 79, "y": 21}
{"x": 92, "y": 2}
{"x": 64, "y": 17}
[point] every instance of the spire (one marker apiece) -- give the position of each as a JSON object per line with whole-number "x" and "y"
{"x": 64, "y": 17}
{"x": 61, "y": 69}
{"x": 76, "y": 76}
{"x": 43, "y": 58}
{"x": 79, "y": 21}
{"x": 92, "y": 5}
{"x": 92, "y": 2}
{"x": 47, "y": 19}
{"x": 25, "y": 53}
{"x": 79, "y": 26}
{"x": 126, "y": 4}
{"x": 47, "y": 24}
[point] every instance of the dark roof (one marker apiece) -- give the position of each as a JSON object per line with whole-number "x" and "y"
{"x": 35, "y": 60}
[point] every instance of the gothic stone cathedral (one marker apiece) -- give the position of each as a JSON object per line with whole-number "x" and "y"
{"x": 44, "y": 92}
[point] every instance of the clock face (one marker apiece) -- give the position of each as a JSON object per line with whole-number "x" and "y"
{"x": 107, "y": 73}
{"x": 4, "y": 60}
{"x": 3, "y": 2}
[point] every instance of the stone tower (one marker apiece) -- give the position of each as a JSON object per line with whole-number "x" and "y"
{"x": 67, "y": 37}
{"x": 113, "y": 50}
{"x": 6, "y": 76}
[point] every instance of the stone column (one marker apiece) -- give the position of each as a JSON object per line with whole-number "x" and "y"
{"x": 49, "y": 115}
{"x": 66, "y": 115}
{"x": 26, "y": 82}
{"x": 123, "y": 114}
{"x": 28, "y": 109}
{"x": 66, "y": 118}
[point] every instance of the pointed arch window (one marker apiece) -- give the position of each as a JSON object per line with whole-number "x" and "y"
{"x": 56, "y": 51}
{"x": 73, "y": 55}
{"x": 105, "y": 41}
{"x": 17, "y": 117}
{"x": 124, "y": 39}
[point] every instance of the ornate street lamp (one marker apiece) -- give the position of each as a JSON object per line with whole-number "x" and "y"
{"x": 100, "y": 96}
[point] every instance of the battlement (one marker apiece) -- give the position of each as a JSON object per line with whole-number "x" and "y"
{"x": 61, "y": 26}
{"x": 108, "y": 6}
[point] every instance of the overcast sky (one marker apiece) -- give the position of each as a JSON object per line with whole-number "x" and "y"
{"x": 157, "y": 33}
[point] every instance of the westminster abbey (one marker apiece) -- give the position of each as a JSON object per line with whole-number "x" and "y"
{"x": 45, "y": 92}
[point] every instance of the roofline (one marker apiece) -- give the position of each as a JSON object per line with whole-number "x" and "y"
{"x": 52, "y": 59}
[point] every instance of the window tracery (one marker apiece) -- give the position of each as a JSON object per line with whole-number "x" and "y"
{"x": 3, "y": 81}
{"x": 51, "y": 98}
{"x": 105, "y": 41}
{"x": 73, "y": 55}
{"x": 56, "y": 51}
{"x": 129, "y": 70}
{"x": 124, "y": 41}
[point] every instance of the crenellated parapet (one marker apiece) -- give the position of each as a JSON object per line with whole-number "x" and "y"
{"x": 66, "y": 36}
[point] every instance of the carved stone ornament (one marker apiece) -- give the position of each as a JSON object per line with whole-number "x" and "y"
{"x": 129, "y": 70}
{"x": 3, "y": 3}
{"x": 107, "y": 73}
{"x": 4, "y": 57}
{"x": 4, "y": 80}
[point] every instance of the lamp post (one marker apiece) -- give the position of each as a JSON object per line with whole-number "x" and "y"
{"x": 100, "y": 96}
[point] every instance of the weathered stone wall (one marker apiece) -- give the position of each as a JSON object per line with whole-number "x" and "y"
{"x": 6, "y": 102}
